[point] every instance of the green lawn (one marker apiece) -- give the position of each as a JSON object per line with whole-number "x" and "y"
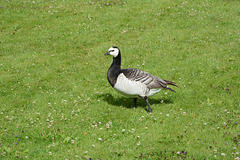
{"x": 56, "y": 102}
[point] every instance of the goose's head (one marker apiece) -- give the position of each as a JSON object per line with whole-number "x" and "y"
{"x": 113, "y": 51}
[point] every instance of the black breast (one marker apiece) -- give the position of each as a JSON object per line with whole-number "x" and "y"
{"x": 114, "y": 70}
{"x": 112, "y": 75}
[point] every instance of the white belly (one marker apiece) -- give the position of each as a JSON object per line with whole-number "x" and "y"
{"x": 130, "y": 88}
{"x": 153, "y": 91}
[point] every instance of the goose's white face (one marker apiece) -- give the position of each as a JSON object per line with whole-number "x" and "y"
{"x": 113, "y": 51}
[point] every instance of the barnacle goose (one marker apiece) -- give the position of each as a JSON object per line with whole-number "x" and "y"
{"x": 133, "y": 82}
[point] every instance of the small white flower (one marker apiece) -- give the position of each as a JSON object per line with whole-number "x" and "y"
{"x": 224, "y": 124}
{"x": 138, "y": 143}
{"x": 123, "y": 130}
{"x": 222, "y": 154}
{"x": 167, "y": 115}
{"x": 99, "y": 139}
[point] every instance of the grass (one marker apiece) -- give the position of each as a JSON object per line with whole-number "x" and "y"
{"x": 56, "y": 102}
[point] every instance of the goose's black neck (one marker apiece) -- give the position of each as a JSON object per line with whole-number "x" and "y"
{"x": 114, "y": 70}
{"x": 117, "y": 61}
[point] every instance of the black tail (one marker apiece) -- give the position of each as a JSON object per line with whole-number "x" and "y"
{"x": 170, "y": 89}
{"x": 170, "y": 83}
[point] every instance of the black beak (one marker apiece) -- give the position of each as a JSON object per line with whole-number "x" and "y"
{"x": 107, "y": 53}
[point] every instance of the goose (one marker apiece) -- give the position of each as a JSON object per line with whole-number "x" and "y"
{"x": 132, "y": 82}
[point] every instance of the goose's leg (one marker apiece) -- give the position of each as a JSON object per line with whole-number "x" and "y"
{"x": 149, "y": 108}
{"x": 146, "y": 99}
{"x": 135, "y": 103}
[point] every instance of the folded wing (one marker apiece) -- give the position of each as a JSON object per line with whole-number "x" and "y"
{"x": 144, "y": 77}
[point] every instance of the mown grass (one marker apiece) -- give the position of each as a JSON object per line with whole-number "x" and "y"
{"x": 56, "y": 102}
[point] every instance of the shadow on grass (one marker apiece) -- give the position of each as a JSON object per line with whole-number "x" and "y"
{"x": 128, "y": 102}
